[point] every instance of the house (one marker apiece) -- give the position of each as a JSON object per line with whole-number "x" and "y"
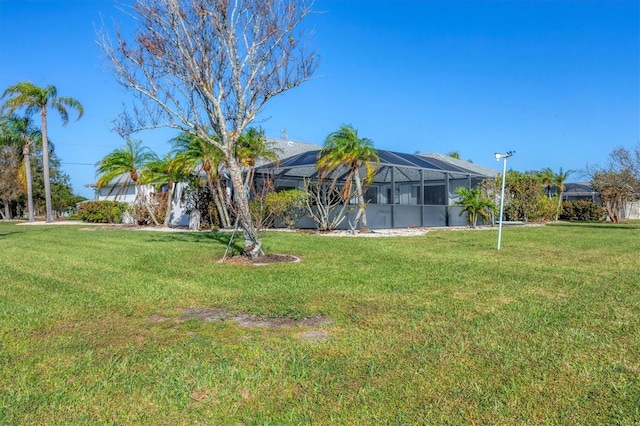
{"x": 408, "y": 190}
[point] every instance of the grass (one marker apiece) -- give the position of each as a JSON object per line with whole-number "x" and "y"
{"x": 439, "y": 329}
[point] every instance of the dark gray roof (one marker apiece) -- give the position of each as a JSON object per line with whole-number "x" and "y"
{"x": 407, "y": 167}
{"x": 462, "y": 164}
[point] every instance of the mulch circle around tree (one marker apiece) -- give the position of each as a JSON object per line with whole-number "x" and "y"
{"x": 265, "y": 259}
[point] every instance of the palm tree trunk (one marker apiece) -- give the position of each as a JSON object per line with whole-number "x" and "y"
{"x": 362, "y": 212}
{"x": 145, "y": 201}
{"x": 222, "y": 203}
{"x": 223, "y": 215}
{"x": 170, "y": 191}
{"x": 558, "y": 210}
{"x": 45, "y": 165}
{"x": 27, "y": 172}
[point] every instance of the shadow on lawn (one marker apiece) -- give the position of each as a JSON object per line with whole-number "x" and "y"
{"x": 601, "y": 225}
{"x": 222, "y": 238}
{"x": 6, "y": 234}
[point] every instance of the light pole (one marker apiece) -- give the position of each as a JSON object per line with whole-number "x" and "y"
{"x": 504, "y": 174}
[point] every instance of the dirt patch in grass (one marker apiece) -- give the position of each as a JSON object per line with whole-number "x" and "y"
{"x": 179, "y": 316}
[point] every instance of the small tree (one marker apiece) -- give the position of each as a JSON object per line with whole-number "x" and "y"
{"x": 559, "y": 179}
{"x": 619, "y": 182}
{"x": 325, "y": 205}
{"x": 20, "y": 131}
{"x": 475, "y": 205}
{"x": 123, "y": 166}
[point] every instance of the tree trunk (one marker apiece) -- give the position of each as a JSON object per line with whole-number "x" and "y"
{"x": 558, "y": 211}
{"x": 219, "y": 200}
{"x": 362, "y": 212}
{"x": 170, "y": 190}
{"x": 252, "y": 243}
{"x": 45, "y": 165}
{"x": 7, "y": 212}
{"x": 147, "y": 205}
{"x": 27, "y": 171}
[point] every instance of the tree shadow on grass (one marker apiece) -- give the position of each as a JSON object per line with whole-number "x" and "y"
{"x": 222, "y": 238}
{"x": 600, "y": 225}
{"x": 6, "y": 234}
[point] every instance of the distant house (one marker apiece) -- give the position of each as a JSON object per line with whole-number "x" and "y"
{"x": 129, "y": 192}
{"x": 584, "y": 191}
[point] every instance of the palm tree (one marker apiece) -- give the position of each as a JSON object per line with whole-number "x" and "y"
{"x": 123, "y": 166}
{"x": 559, "y": 179}
{"x": 196, "y": 154}
{"x": 21, "y": 132}
{"x": 475, "y": 205}
{"x": 252, "y": 146}
{"x": 546, "y": 179}
{"x": 165, "y": 171}
{"x": 343, "y": 148}
{"x": 40, "y": 99}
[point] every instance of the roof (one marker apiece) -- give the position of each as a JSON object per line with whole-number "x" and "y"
{"x": 466, "y": 165}
{"x": 579, "y": 189}
{"x": 407, "y": 167}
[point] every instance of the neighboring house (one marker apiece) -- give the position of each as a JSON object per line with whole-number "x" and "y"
{"x": 128, "y": 193}
{"x": 579, "y": 191}
{"x": 584, "y": 191}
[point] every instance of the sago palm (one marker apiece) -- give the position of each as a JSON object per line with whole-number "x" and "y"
{"x": 344, "y": 149}
{"x": 475, "y": 205}
{"x": 123, "y": 166}
{"x": 35, "y": 99}
{"x": 20, "y": 132}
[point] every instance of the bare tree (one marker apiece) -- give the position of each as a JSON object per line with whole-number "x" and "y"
{"x": 619, "y": 182}
{"x": 203, "y": 65}
{"x": 326, "y": 205}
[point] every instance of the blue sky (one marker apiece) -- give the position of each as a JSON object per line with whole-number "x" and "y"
{"x": 556, "y": 81}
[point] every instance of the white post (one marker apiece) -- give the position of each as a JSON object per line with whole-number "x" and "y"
{"x": 504, "y": 175}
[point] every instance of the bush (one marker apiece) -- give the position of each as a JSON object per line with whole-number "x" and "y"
{"x": 581, "y": 210}
{"x": 102, "y": 211}
{"x": 287, "y": 206}
{"x": 157, "y": 202}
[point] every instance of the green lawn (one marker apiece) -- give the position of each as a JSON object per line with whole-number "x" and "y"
{"x": 437, "y": 329}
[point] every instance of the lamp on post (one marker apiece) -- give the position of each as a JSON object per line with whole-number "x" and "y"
{"x": 504, "y": 174}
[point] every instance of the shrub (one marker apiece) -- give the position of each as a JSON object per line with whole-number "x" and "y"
{"x": 581, "y": 210}
{"x": 102, "y": 211}
{"x": 287, "y": 206}
{"x": 157, "y": 202}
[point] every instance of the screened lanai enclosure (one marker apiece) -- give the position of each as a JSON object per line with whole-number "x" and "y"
{"x": 407, "y": 190}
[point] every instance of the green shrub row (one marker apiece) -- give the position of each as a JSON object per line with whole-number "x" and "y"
{"x": 581, "y": 210}
{"x": 102, "y": 211}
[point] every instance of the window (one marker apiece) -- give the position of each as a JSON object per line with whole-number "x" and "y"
{"x": 435, "y": 195}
